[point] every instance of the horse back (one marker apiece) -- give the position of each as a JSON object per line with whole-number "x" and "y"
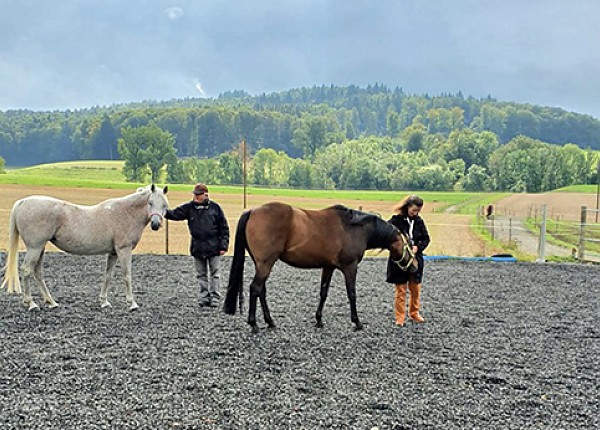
{"x": 38, "y": 217}
{"x": 267, "y": 230}
{"x": 299, "y": 237}
{"x": 72, "y": 228}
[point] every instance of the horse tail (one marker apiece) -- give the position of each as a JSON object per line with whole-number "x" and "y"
{"x": 235, "y": 288}
{"x": 11, "y": 270}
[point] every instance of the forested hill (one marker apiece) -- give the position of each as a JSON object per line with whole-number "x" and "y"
{"x": 372, "y": 109}
{"x": 315, "y": 116}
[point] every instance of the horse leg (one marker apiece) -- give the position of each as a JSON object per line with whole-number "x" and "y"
{"x": 124, "y": 255}
{"x": 326, "y": 274}
{"x": 31, "y": 259}
{"x": 263, "y": 304}
{"x": 111, "y": 260}
{"x": 350, "y": 276}
{"x": 38, "y": 275}
{"x": 255, "y": 291}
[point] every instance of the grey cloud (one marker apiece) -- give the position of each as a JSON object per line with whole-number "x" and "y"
{"x": 66, "y": 53}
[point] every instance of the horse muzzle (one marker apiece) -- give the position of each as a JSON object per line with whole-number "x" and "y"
{"x": 155, "y": 221}
{"x": 413, "y": 267}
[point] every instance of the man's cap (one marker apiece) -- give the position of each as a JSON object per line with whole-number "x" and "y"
{"x": 200, "y": 189}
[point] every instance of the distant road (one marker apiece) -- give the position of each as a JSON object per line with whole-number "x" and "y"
{"x": 504, "y": 229}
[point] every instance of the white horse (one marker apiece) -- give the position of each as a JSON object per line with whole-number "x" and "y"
{"x": 112, "y": 227}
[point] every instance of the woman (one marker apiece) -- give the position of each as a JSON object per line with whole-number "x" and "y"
{"x": 409, "y": 222}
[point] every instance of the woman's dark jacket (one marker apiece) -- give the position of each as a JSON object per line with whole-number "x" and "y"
{"x": 207, "y": 224}
{"x": 420, "y": 238}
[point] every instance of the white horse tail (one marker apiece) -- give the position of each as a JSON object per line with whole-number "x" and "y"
{"x": 11, "y": 270}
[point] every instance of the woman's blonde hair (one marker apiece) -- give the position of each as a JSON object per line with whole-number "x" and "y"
{"x": 410, "y": 200}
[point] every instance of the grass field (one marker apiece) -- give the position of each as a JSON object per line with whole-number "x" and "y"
{"x": 107, "y": 174}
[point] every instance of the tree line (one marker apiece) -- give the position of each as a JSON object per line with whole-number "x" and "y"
{"x": 465, "y": 160}
{"x": 305, "y": 125}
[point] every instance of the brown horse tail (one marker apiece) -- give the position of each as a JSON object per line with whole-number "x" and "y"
{"x": 235, "y": 288}
{"x": 11, "y": 270}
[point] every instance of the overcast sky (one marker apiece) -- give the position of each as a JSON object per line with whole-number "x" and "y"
{"x": 59, "y": 54}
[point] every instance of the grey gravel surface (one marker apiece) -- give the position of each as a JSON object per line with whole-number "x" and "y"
{"x": 505, "y": 346}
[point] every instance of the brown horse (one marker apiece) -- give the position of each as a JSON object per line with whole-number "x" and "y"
{"x": 332, "y": 238}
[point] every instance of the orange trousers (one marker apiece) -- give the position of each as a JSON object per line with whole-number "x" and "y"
{"x": 414, "y": 303}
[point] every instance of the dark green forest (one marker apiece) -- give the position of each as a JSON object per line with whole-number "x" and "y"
{"x": 328, "y": 137}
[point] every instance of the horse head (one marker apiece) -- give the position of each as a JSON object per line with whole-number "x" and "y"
{"x": 157, "y": 206}
{"x": 402, "y": 255}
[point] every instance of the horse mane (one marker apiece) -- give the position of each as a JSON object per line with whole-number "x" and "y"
{"x": 353, "y": 216}
{"x": 382, "y": 234}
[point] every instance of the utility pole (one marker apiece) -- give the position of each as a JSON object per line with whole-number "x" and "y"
{"x": 597, "y": 188}
{"x": 245, "y": 156}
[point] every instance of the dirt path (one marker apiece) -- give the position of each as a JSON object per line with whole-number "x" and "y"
{"x": 512, "y": 230}
{"x": 559, "y": 206}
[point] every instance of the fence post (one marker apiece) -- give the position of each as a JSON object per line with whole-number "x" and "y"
{"x": 509, "y": 231}
{"x": 542, "y": 244}
{"x": 580, "y": 250}
{"x": 166, "y": 236}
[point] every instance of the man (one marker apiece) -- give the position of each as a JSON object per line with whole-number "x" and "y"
{"x": 209, "y": 233}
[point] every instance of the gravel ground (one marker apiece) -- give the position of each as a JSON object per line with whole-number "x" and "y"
{"x": 505, "y": 346}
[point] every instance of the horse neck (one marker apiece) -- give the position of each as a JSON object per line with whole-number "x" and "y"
{"x": 134, "y": 203}
{"x": 379, "y": 235}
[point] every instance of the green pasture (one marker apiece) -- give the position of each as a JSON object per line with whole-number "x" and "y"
{"x": 107, "y": 174}
{"x": 584, "y": 189}
{"x": 80, "y": 174}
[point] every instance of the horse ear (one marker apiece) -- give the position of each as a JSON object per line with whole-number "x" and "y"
{"x": 152, "y": 188}
{"x": 166, "y": 189}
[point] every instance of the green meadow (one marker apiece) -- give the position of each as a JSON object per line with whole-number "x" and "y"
{"x": 107, "y": 174}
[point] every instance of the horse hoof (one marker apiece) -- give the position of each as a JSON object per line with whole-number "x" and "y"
{"x": 319, "y": 324}
{"x": 33, "y": 307}
{"x": 52, "y": 305}
{"x": 255, "y": 329}
{"x": 133, "y": 307}
{"x": 105, "y": 305}
{"x": 358, "y": 327}
{"x": 271, "y": 326}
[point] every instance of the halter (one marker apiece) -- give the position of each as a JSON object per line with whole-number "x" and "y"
{"x": 157, "y": 214}
{"x": 405, "y": 250}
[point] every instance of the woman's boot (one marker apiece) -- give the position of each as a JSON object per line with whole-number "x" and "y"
{"x": 400, "y": 304}
{"x": 415, "y": 302}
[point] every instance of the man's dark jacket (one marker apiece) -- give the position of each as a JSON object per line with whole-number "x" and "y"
{"x": 207, "y": 224}
{"x": 421, "y": 239}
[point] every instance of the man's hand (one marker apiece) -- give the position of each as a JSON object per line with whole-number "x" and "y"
{"x": 221, "y": 252}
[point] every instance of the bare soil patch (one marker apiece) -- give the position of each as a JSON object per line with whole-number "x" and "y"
{"x": 566, "y": 206}
{"x": 451, "y": 234}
